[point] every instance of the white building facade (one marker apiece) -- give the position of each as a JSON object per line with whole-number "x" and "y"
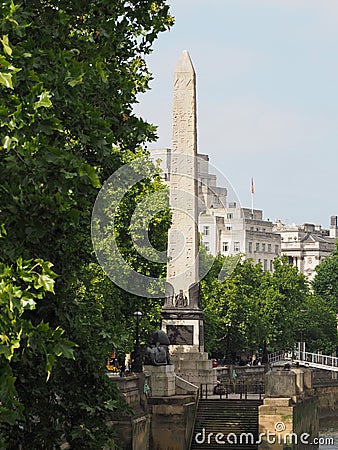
{"x": 307, "y": 245}
{"x": 225, "y": 227}
{"x": 236, "y": 230}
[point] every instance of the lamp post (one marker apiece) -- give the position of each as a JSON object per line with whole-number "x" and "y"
{"x": 228, "y": 359}
{"x": 302, "y": 343}
{"x": 136, "y": 365}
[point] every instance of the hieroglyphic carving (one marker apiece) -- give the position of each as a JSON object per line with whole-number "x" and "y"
{"x": 182, "y": 270}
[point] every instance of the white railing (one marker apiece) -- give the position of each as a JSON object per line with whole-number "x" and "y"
{"x": 277, "y": 356}
{"x": 316, "y": 360}
{"x": 299, "y": 355}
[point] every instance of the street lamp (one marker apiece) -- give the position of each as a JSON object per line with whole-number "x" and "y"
{"x": 302, "y": 343}
{"x": 228, "y": 359}
{"x": 136, "y": 365}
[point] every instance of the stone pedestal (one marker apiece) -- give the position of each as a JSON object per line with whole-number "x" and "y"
{"x": 162, "y": 381}
{"x": 288, "y": 417}
{"x": 185, "y": 330}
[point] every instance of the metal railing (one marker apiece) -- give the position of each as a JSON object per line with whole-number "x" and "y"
{"x": 238, "y": 390}
{"x": 280, "y": 355}
{"x": 299, "y": 355}
{"x": 317, "y": 360}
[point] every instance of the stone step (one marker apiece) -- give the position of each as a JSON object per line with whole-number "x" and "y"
{"x": 235, "y": 417}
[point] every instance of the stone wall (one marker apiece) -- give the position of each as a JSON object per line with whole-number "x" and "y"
{"x": 289, "y": 415}
{"x": 172, "y": 422}
{"x": 133, "y": 432}
{"x": 165, "y": 420}
{"x": 246, "y": 374}
{"x": 327, "y": 400}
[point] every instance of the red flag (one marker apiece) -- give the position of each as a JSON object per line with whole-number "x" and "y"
{"x": 252, "y": 186}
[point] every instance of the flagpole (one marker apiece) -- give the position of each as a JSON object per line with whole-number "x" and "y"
{"x": 252, "y": 195}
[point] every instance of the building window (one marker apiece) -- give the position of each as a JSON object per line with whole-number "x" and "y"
{"x": 265, "y": 265}
{"x": 206, "y": 230}
{"x": 229, "y": 215}
{"x": 263, "y": 247}
{"x": 236, "y": 246}
{"x": 225, "y": 246}
{"x": 276, "y": 249}
{"x": 250, "y": 247}
{"x": 206, "y": 246}
{"x": 271, "y": 265}
{"x": 257, "y": 246}
{"x": 269, "y": 248}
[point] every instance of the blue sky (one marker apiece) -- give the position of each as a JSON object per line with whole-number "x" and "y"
{"x": 267, "y": 98}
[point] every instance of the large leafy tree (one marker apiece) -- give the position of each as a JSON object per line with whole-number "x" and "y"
{"x": 251, "y": 309}
{"x": 316, "y": 325}
{"x": 69, "y": 76}
{"x": 282, "y": 295}
{"x": 230, "y": 294}
{"x": 325, "y": 283}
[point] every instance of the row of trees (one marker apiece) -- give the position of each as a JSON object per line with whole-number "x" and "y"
{"x": 252, "y": 309}
{"x": 70, "y": 72}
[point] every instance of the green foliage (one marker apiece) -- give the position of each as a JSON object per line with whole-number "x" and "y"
{"x": 282, "y": 295}
{"x": 69, "y": 76}
{"x": 230, "y": 306}
{"x": 251, "y": 309}
{"x": 325, "y": 283}
{"x": 21, "y": 287}
{"x": 316, "y": 324}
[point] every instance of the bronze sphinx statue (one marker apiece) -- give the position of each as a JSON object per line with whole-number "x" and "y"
{"x": 157, "y": 354}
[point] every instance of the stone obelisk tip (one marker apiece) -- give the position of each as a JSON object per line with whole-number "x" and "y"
{"x": 184, "y": 64}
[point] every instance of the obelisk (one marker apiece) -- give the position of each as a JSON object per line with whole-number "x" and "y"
{"x": 182, "y": 317}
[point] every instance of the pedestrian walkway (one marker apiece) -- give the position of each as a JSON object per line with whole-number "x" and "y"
{"x": 307, "y": 359}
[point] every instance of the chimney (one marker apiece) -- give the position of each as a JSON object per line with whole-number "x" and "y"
{"x": 333, "y": 227}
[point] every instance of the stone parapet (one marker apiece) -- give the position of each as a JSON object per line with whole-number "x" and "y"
{"x": 184, "y": 386}
{"x": 280, "y": 383}
{"x": 172, "y": 422}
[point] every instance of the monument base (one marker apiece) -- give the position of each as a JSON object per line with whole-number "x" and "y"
{"x": 194, "y": 367}
{"x": 185, "y": 331}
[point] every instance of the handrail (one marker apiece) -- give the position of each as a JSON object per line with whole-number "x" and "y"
{"x": 225, "y": 390}
{"x": 299, "y": 355}
{"x": 280, "y": 355}
{"x": 317, "y": 360}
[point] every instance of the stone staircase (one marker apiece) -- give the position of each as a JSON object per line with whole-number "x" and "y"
{"x": 229, "y": 417}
